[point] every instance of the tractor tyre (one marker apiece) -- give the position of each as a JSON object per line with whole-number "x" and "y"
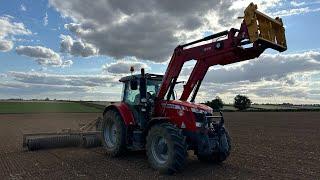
{"x": 166, "y": 148}
{"x": 217, "y": 157}
{"x": 113, "y": 133}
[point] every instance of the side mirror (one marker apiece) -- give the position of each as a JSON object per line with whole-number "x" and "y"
{"x": 133, "y": 84}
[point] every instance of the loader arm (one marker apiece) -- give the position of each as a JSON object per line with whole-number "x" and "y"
{"x": 257, "y": 33}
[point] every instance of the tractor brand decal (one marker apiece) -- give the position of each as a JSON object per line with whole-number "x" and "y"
{"x": 171, "y": 106}
{"x": 195, "y": 110}
{"x": 179, "y": 107}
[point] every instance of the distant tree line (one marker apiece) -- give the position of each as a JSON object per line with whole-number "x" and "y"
{"x": 215, "y": 104}
{"x": 241, "y": 102}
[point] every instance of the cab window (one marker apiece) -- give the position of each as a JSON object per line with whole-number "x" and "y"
{"x": 131, "y": 97}
{"x": 152, "y": 88}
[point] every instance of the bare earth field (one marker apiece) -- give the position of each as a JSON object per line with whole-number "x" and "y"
{"x": 266, "y": 145}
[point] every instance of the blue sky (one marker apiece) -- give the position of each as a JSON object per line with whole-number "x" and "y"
{"x": 79, "y": 49}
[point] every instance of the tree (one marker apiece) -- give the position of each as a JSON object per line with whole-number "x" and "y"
{"x": 241, "y": 102}
{"x": 215, "y": 104}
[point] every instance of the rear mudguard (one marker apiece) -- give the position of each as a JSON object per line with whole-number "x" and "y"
{"x": 124, "y": 111}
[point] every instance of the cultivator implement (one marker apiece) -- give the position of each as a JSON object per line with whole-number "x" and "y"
{"x": 87, "y": 136}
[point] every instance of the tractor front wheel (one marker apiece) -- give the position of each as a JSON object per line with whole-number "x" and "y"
{"x": 166, "y": 148}
{"x": 113, "y": 133}
{"x": 219, "y": 157}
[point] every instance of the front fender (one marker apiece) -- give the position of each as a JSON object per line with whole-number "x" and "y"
{"x": 124, "y": 111}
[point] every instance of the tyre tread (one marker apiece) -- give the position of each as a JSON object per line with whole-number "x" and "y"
{"x": 120, "y": 149}
{"x": 180, "y": 148}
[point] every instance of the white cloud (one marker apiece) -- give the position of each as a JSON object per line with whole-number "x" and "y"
{"x": 67, "y": 63}
{"x": 262, "y": 4}
{"x": 267, "y": 66}
{"x": 2, "y": 75}
{"x": 271, "y": 91}
{"x": 43, "y": 56}
{"x": 123, "y": 67}
{"x": 295, "y": 11}
{"x": 295, "y": 3}
{"x": 76, "y": 47}
{"x": 66, "y": 43}
{"x": 23, "y": 7}
{"x": 61, "y": 80}
{"x": 22, "y": 88}
{"x": 76, "y": 87}
{"x": 9, "y": 29}
{"x": 5, "y": 45}
{"x": 45, "y": 19}
{"x": 272, "y": 78}
{"x": 147, "y": 30}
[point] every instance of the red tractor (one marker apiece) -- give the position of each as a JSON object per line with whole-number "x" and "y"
{"x": 151, "y": 117}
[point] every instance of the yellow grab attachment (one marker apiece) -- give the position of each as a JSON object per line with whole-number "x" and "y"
{"x": 264, "y": 29}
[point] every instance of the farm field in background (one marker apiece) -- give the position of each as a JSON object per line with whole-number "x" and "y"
{"x": 265, "y": 145}
{"x": 254, "y": 107}
{"x": 45, "y": 107}
{"x": 275, "y": 107}
{"x": 98, "y": 106}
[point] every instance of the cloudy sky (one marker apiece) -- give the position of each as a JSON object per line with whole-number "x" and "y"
{"x": 78, "y": 49}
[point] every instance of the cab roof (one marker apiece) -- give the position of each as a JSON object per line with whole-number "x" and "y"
{"x": 156, "y": 77}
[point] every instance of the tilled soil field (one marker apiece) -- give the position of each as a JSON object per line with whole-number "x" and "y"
{"x": 266, "y": 145}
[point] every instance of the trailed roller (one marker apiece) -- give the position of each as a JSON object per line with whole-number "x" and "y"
{"x": 90, "y": 141}
{"x": 57, "y": 141}
{"x": 85, "y": 137}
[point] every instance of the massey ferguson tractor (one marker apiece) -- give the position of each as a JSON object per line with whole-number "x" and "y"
{"x": 151, "y": 117}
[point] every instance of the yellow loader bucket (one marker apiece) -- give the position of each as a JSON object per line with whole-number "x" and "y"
{"x": 264, "y": 29}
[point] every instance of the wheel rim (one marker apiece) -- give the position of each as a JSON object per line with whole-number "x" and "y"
{"x": 159, "y": 149}
{"x": 110, "y": 134}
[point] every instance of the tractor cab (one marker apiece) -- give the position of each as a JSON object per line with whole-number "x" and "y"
{"x": 139, "y": 93}
{"x": 137, "y": 87}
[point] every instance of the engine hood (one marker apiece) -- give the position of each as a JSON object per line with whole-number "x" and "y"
{"x": 187, "y": 106}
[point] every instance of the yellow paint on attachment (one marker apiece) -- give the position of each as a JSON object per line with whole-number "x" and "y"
{"x": 265, "y": 29}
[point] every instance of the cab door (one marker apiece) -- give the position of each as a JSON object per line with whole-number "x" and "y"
{"x": 132, "y": 99}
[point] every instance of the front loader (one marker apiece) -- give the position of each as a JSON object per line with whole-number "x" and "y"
{"x": 151, "y": 117}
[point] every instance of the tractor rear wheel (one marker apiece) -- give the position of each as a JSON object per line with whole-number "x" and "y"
{"x": 218, "y": 157}
{"x": 113, "y": 133}
{"x": 166, "y": 148}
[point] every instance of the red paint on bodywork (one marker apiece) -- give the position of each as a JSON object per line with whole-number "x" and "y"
{"x": 219, "y": 52}
{"x": 125, "y": 113}
{"x": 228, "y": 51}
{"x": 172, "y": 108}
